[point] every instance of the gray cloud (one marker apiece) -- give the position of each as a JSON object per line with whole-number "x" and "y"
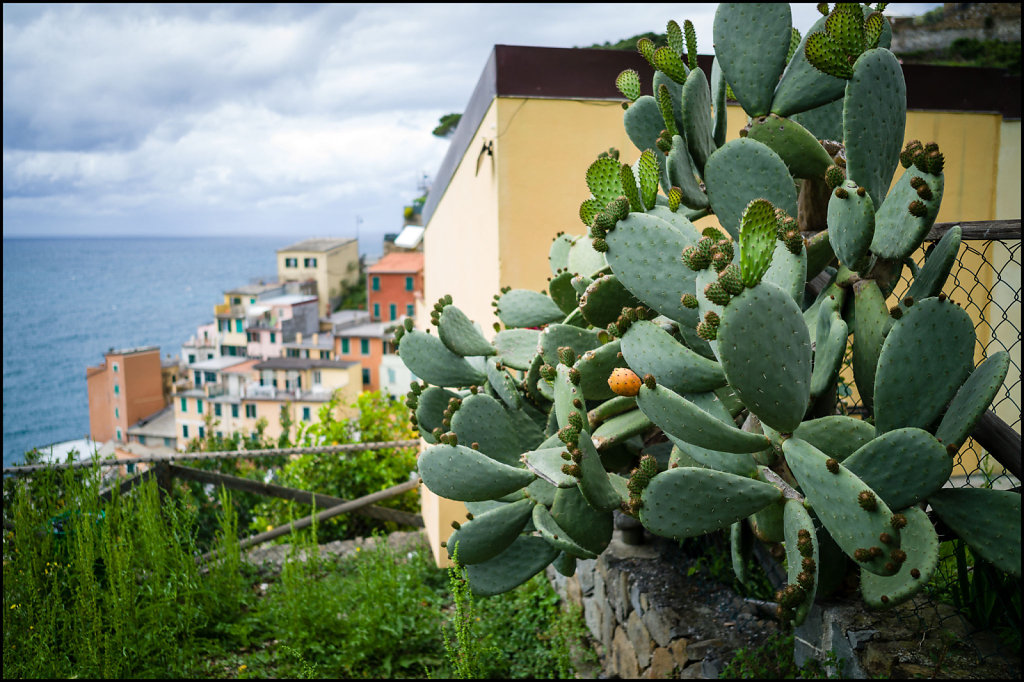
{"x": 256, "y": 119}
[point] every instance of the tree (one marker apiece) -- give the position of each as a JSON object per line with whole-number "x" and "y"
{"x": 446, "y": 125}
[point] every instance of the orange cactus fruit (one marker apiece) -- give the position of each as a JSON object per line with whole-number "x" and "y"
{"x": 624, "y": 381}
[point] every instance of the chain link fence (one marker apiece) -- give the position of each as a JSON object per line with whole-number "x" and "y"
{"x": 971, "y": 598}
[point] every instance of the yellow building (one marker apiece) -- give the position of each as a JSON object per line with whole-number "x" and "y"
{"x": 514, "y": 176}
{"x": 332, "y": 263}
{"x": 244, "y": 393}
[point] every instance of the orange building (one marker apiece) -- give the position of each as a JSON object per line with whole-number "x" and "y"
{"x": 394, "y": 284}
{"x": 127, "y": 387}
{"x": 366, "y": 344}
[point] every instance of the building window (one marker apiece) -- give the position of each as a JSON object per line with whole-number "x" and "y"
{"x": 118, "y": 432}
{"x": 273, "y": 337}
{"x": 117, "y": 413}
{"x": 234, "y": 411}
{"x": 291, "y": 262}
{"x": 364, "y": 346}
{"x": 376, "y": 311}
{"x": 131, "y": 467}
{"x": 292, "y": 353}
{"x": 235, "y": 300}
{"x": 316, "y": 377}
{"x": 305, "y": 414}
{"x": 309, "y": 262}
{"x": 210, "y": 377}
{"x": 114, "y": 365}
{"x": 202, "y": 432}
{"x": 167, "y": 442}
{"x": 252, "y": 301}
{"x": 191, "y": 358}
{"x": 250, "y": 411}
{"x": 366, "y": 376}
{"x": 117, "y": 389}
{"x": 199, "y": 405}
{"x": 393, "y": 310}
{"x": 391, "y": 376}
{"x": 345, "y": 346}
{"x": 184, "y": 405}
{"x": 216, "y": 409}
{"x": 408, "y": 283}
{"x": 198, "y": 376}
{"x": 184, "y": 431}
{"x": 375, "y": 283}
{"x": 325, "y": 355}
{"x": 409, "y": 310}
{"x": 384, "y": 347}
{"x": 142, "y": 440}
{"x": 238, "y": 326}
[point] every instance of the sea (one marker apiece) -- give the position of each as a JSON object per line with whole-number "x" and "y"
{"x": 67, "y": 301}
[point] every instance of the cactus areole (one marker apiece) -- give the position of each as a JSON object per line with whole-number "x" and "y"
{"x": 659, "y": 336}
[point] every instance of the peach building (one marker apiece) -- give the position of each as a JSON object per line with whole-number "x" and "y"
{"x": 394, "y": 285}
{"x": 365, "y": 343}
{"x": 126, "y": 388}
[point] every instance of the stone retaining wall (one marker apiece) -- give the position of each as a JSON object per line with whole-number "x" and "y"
{"x": 649, "y": 619}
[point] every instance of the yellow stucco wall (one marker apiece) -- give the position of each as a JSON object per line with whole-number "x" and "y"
{"x": 461, "y": 242}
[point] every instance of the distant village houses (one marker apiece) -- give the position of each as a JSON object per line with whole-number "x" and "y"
{"x": 270, "y": 347}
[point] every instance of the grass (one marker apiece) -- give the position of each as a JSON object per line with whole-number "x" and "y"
{"x": 113, "y": 590}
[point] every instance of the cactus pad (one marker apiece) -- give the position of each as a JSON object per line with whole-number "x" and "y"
{"x": 429, "y": 359}
{"x": 489, "y": 533}
{"x": 903, "y": 466}
{"x": 919, "y": 540}
{"x": 851, "y": 222}
{"x": 459, "y": 333}
{"x": 481, "y": 419}
{"x": 743, "y": 170}
{"x": 698, "y": 128}
{"x": 460, "y": 473}
{"x": 649, "y": 349}
{"x": 925, "y": 358}
{"x": 685, "y": 501}
{"x": 972, "y": 399}
{"x": 517, "y": 347}
{"x": 555, "y": 536}
{"x": 988, "y": 520}
{"x": 765, "y": 351}
{"x": 523, "y": 559}
{"x": 757, "y": 240}
{"x": 524, "y": 308}
{"x": 897, "y": 231}
{"x": 798, "y": 148}
{"x": 874, "y": 117}
{"x": 683, "y": 419}
{"x": 801, "y": 543}
{"x": 752, "y": 43}
{"x": 836, "y": 435}
{"x": 835, "y": 498}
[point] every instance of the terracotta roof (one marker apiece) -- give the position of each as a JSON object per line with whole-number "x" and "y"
{"x": 398, "y": 262}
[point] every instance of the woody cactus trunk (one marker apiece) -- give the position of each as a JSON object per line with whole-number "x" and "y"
{"x": 689, "y": 378}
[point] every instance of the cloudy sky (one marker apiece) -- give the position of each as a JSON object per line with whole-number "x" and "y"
{"x": 259, "y": 120}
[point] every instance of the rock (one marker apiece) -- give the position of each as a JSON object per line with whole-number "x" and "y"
{"x": 572, "y": 591}
{"x": 585, "y": 570}
{"x": 640, "y": 639}
{"x": 623, "y": 661}
{"x": 662, "y": 624}
{"x": 662, "y": 665}
{"x": 634, "y": 598}
{"x": 697, "y": 651}
{"x": 692, "y": 672}
{"x": 679, "y": 652}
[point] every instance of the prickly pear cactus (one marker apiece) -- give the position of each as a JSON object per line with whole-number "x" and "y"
{"x": 689, "y": 377}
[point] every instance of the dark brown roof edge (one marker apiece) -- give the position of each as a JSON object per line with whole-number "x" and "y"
{"x": 572, "y": 73}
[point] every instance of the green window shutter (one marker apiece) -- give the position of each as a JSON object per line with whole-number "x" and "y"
{"x": 408, "y": 283}
{"x": 364, "y": 346}
{"x": 199, "y": 405}
{"x": 393, "y": 309}
{"x": 409, "y": 310}
{"x": 345, "y": 346}
{"x": 376, "y": 283}
{"x": 184, "y": 405}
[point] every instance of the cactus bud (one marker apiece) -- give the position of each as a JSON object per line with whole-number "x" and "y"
{"x": 866, "y": 500}
{"x": 675, "y": 198}
{"x": 832, "y": 464}
{"x": 574, "y": 376}
{"x": 915, "y": 574}
{"x": 834, "y": 176}
{"x": 716, "y": 293}
{"x": 456, "y": 525}
{"x": 600, "y": 245}
{"x": 547, "y": 372}
{"x": 566, "y": 355}
{"x": 898, "y": 555}
{"x": 909, "y": 153}
{"x": 408, "y": 324}
{"x": 862, "y": 555}
{"x": 568, "y": 434}
{"x": 649, "y": 381}
{"x": 689, "y": 301}
{"x": 805, "y": 580}
{"x": 934, "y": 163}
{"x": 841, "y": 193}
{"x": 885, "y": 538}
{"x": 575, "y": 420}
{"x": 925, "y": 192}
{"x": 875, "y": 552}
{"x": 898, "y": 521}
{"x": 573, "y": 470}
{"x": 917, "y": 209}
{"x": 618, "y": 208}
{"x": 705, "y": 332}
{"x": 896, "y": 312}
{"x": 808, "y": 564}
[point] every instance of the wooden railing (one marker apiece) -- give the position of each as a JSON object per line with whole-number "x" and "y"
{"x": 165, "y": 470}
